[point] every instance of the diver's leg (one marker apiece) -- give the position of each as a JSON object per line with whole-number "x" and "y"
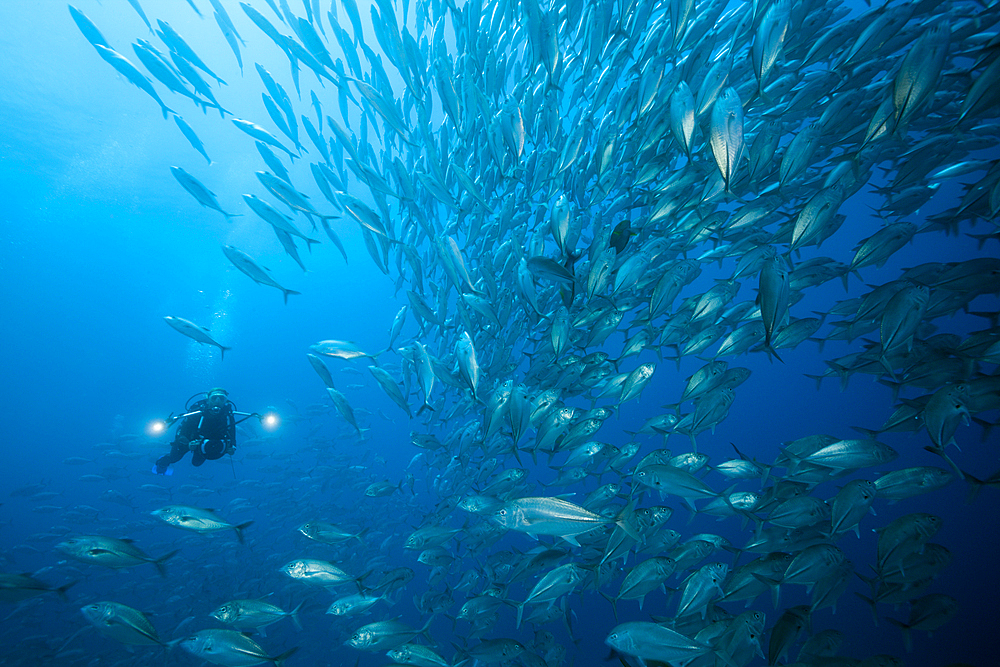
{"x": 177, "y": 452}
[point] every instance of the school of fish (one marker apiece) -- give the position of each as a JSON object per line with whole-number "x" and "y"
{"x": 568, "y": 198}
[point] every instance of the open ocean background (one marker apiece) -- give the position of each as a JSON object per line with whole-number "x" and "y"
{"x": 98, "y": 243}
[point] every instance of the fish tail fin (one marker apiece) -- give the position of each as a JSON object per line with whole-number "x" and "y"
{"x": 61, "y": 591}
{"x": 796, "y": 460}
{"x": 738, "y": 452}
{"x": 907, "y": 639}
{"x": 222, "y": 349}
{"x": 460, "y": 651}
{"x": 843, "y": 278}
{"x": 721, "y": 655}
{"x": 888, "y": 367}
{"x": 287, "y": 292}
{"x": 773, "y": 584}
{"x": 280, "y": 659}
{"x": 689, "y": 504}
{"x": 520, "y": 612}
{"x": 358, "y": 580}
{"x": 770, "y": 350}
{"x": 975, "y": 486}
{"x": 517, "y": 454}
{"x": 867, "y": 432}
{"x": 994, "y": 318}
{"x": 871, "y": 602}
{"x": 624, "y": 521}
{"x": 745, "y": 514}
{"x": 239, "y": 530}
{"x": 986, "y": 426}
{"x": 614, "y": 603}
{"x": 229, "y": 216}
{"x": 893, "y": 386}
{"x": 954, "y": 466}
{"x": 423, "y": 630}
{"x": 294, "y": 614}
{"x": 818, "y": 378}
{"x": 676, "y": 359}
{"x": 159, "y": 562}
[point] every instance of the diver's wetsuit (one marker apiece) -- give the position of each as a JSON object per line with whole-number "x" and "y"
{"x": 218, "y": 429}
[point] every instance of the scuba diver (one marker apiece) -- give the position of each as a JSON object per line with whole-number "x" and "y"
{"x": 208, "y": 430}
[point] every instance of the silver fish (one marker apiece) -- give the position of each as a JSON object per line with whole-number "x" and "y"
{"x": 196, "y": 333}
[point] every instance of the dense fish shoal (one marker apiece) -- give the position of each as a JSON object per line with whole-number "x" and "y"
{"x": 615, "y": 232}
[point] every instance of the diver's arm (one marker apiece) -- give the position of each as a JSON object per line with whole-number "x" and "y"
{"x": 188, "y": 430}
{"x": 231, "y": 434}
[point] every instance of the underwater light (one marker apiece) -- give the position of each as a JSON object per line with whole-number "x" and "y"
{"x": 156, "y": 427}
{"x": 270, "y": 420}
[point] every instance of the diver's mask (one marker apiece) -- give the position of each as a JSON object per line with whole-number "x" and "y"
{"x": 216, "y": 401}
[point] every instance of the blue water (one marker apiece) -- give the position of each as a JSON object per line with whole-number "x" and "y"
{"x": 99, "y": 243}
